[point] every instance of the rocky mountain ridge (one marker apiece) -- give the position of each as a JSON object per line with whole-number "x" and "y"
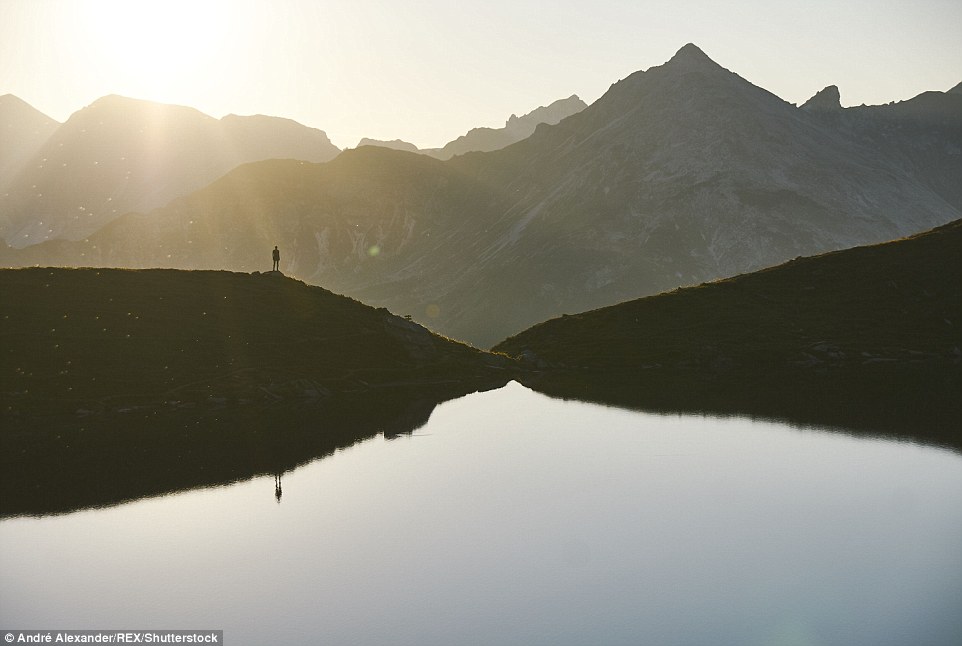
{"x": 515, "y": 129}
{"x": 487, "y": 139}
{"x": 679, "y": 174}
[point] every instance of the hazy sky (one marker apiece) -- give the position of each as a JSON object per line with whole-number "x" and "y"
{"x": 426, "y": 71}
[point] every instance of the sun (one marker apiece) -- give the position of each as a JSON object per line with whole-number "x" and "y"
{"x": 154, "y": 46}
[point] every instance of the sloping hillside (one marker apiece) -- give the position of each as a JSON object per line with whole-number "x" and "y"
{"x": 116, "y": 384}
{"x": 890, "y": 302}
{"x": 867, "y": 336}
{"x": 23, "y": 130}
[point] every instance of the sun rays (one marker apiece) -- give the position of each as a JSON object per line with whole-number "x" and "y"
{"x": 159, "y": 48}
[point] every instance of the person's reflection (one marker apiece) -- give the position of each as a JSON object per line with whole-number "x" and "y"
{"x": 277, "y": 487}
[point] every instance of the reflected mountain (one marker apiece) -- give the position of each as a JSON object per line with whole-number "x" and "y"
{"x": 900, "y": 403}
{"x": 120, "y": 458}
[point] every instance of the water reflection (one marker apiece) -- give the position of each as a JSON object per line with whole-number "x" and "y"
{"x": 902, "y": 403}
{"x": 59, "y": 468}
{"x": 56, "y": 468}
{"x": 521, "y": 519}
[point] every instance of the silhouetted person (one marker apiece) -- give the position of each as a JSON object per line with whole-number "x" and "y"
{"x": 277, "y": 259}
{"x": 277, "y": 487}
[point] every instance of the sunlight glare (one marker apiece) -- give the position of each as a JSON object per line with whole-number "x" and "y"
{"x": 160, "y": 44}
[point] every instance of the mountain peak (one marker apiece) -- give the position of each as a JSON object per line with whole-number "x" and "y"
{"x": 121, "y": 102}
{"x": 116, "y": 99}
{"x": 956, "y": 90}
{"x": 826, "y": 100}
{"x": 13, "y": 107}
{"x": 396, "y": 144}
{"x": 13, "y": 100}
{"x": 690, "y": 54}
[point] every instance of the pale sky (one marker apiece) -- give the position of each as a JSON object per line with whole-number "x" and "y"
{"x": 426, "y": 71}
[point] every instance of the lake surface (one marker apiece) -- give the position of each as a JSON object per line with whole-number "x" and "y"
{"x": 513, "y": 518}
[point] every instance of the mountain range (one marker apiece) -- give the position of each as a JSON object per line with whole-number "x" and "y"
{"x": 65, "y": 181}
{"x": 119, "y": 155}
{"x": 680, "y": 174}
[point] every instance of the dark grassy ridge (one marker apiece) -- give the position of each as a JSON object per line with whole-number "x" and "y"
{"x": 116, "y": 384}
{"x": 869, "y": 338}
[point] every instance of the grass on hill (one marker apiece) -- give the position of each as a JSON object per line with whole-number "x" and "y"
{"x": 900, "y": 301}
{"x": 98, "y": 339}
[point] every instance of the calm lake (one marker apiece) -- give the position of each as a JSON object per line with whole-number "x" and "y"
{"x": 513, "y": 518}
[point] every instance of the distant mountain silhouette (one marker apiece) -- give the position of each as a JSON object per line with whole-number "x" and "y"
{"x": 515, "y": 129}
{"x": 120, "y": 155}
{"x": 679, "y": 174}
{"x": 827, "y": 100}
{"x": 395, "y": 144}
{"x": 487, "y": 139}
{"x": 23, "y": 130}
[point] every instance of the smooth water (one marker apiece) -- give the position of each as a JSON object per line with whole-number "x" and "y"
{"x": 512, "y": 518}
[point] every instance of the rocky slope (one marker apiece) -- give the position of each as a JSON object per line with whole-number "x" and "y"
{"x": 120, "y": 155}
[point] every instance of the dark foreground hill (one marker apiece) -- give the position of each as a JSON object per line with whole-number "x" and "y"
{"x": 117, "y": 384}
{"x": 869, "y": 337}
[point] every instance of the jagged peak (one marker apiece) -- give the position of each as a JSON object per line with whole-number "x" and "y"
{"x": 690, "y": 54}
{"x": 825, "y": 100}
{"x": 956, "y": 90}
